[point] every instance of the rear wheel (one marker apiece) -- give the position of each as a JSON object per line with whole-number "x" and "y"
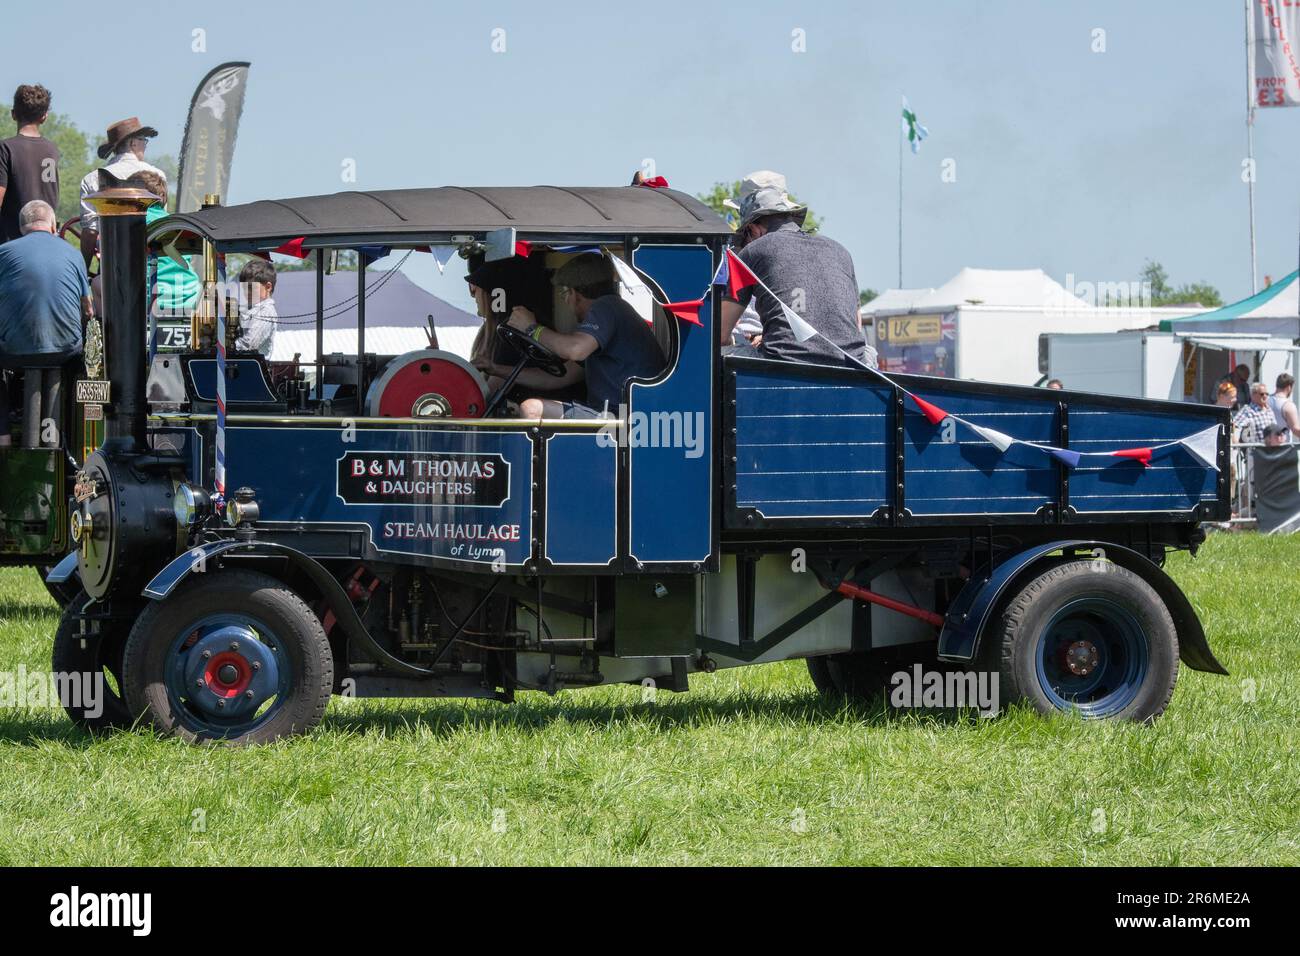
{"x": 231, "y": 656}
{"x": 88, "y": 670}
{"x": 1090, "y": 637}
{"x": 866, "y": 675}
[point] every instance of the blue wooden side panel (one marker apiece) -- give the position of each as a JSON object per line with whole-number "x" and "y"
{"x": 1174, "y": 481}
{"x": 581, "y": 500}
{"x": 303, "y": 475}
{"x": 811, "y": 447}
{"x": 671, "y": 489}
{"x": 951, "y": 470}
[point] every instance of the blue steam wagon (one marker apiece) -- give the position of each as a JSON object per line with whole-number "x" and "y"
{"x": 388, "y": 531}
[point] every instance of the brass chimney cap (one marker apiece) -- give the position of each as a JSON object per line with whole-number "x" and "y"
{"x": 122, "y": 201}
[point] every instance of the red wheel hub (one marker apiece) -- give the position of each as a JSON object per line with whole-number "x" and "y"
{"x": 227, "y": 674}
{"x": 428, "y": 386}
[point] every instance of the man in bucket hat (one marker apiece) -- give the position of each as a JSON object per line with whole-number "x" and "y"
{"x": 123, "y": 147}
{"x": 811, "y": 274}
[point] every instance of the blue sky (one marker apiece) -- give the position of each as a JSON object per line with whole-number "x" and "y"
{"x": 1069, "y": 160}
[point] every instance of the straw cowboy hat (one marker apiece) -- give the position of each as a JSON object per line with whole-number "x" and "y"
{"x": 763, "y": 193}
{"x": 121, "y": 131}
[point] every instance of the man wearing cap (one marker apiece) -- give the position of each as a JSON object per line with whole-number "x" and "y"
{"x": 811, "y": 274}
{"x": 610, "y": 345}
{"x": 124, "y": 147}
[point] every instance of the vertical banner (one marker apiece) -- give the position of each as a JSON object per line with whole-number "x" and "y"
{"x": 209, "y": 144}
{"x": 1276, "y": 54}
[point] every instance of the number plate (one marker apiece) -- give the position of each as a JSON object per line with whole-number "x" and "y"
{"x": 173, "y": 337}
{"x": 94, "y": 412}
{"x": 92, "y": 391}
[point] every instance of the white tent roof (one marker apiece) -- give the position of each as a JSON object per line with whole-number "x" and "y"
{"x": 993, "y": 288}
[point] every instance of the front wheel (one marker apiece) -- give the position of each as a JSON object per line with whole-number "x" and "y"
{"x": 1089, "y": 637}
{"x": 230, "y": 656}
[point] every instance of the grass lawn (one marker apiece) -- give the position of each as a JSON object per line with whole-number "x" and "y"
{"x": 751, "y": 767}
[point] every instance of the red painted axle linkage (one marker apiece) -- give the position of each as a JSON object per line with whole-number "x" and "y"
{"x": 911, "y": 610}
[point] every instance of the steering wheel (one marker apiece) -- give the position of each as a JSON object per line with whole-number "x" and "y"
{"x": 535, "y": 354}
{"x": 73, "y": 228}
{"x": 531, "y": 353}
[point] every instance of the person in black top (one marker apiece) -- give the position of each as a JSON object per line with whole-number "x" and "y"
{"x": 29, "y": 163}
{"x": 498, "y": 288}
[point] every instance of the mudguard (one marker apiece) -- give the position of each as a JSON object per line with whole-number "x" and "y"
{"x": 64, "y": 571}
{"x": 972, "y": 610}
{"x": 195, "y": 560}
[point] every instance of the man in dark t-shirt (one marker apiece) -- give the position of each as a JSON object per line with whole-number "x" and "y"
{"x": 29, "y": 163}
{"x": 809, "y": 274}
{"x": 610, "y": 345}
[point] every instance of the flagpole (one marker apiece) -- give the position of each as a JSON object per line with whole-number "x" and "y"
{"x": 1250, "y": 138}
{"x": 900, "y": 204}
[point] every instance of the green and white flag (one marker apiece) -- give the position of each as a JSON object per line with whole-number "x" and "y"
{"x": 915, "y": 131}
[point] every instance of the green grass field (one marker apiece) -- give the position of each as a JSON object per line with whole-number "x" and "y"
{"x": 751, "y": 767}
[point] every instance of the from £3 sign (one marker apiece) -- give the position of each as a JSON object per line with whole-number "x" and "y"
{"x": 1277, "y": 58}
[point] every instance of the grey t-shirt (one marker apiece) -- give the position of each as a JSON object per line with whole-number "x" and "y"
{"x": 627, "y": 349}
{"x": 814, "y": 276}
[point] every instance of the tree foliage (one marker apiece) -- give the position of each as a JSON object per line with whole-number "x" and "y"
{"x": 1162, "y": 293}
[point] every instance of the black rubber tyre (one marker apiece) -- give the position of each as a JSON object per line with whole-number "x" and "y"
{"x": 92, "y": 656}
{"x": 282, "y": 621}
{"x": 1086, "y": 623}
{"x": 866, "y": 675}
{"x": 62, "y": 593}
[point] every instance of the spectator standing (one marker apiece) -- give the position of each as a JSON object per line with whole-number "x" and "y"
{"x": 1239, "y": 379}
{"x": 124, "y": 147}
{"x": 1255, "y": 417}
{"x": 29, "y": 163}
{"x": 1283, "y": 408}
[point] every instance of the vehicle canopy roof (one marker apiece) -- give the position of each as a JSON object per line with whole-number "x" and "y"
{"x": 399, "y": 217}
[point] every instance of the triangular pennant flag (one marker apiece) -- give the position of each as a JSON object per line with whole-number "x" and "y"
{"x": 293, "y": 248}
{"x": 933, "y": 413}
{"x": 720, "y": 277}
{"x": 995, "y": 438}
{"x": 1070, "y": 459}
{"x": 686, "y": 311}
{"x": 442, "y": 255}
{"x": 373, "y": 253}
{"x": 1204, "y": 446}
{"x": 635, "y": 290}
{"x": 738, "y": 275}
{"x": 798, "y": 324}
{"x": 654, "y": 182}
{"x": 1137, "y": 454}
